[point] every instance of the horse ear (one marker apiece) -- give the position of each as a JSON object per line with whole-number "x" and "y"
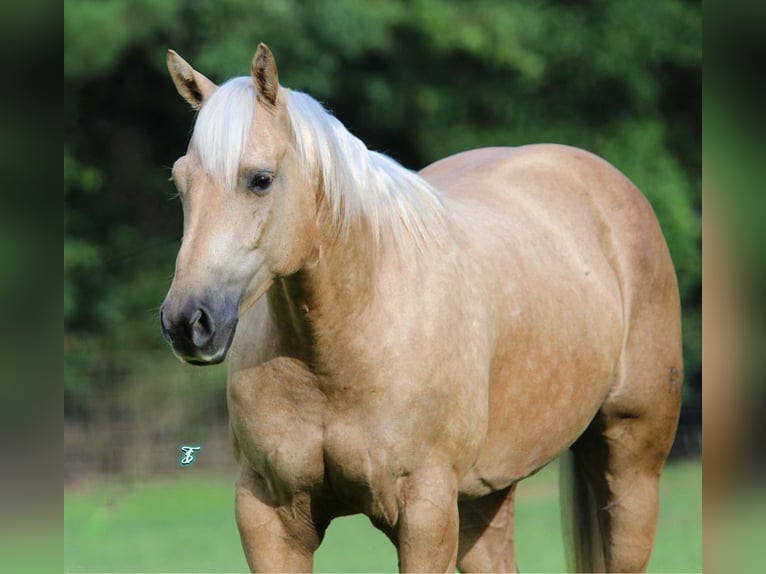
{"x": 193, "y": 86}
{"x": 264, "y": 72}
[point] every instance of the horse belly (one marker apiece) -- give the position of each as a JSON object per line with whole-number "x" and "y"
{"x": 559, "y": 334}
{"x": 554, "y": 364}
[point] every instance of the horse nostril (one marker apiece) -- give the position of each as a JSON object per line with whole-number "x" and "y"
{"x": 202, "y": 328}
{"x": 164, "y": 326}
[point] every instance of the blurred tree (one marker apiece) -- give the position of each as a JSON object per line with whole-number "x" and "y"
{"x": 417, "y": 79}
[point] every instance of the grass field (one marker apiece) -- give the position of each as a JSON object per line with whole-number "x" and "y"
{"x": 187, "y": 525}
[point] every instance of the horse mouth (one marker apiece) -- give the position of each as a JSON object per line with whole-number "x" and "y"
{"x": 204, "y": 360}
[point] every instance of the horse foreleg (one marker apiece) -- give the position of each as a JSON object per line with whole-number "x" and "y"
{"x": 274, "y": 538}
{"x": 427, "y": 528}
{"x": 486, "y": 533}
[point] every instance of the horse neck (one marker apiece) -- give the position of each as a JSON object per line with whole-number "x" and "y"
{"x": 319, "y": 301}
{"x": 374, "y": 214}
{"x": 341, "y": 279}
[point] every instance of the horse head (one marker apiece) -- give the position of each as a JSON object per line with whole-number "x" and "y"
{"x": 249, "y": 209}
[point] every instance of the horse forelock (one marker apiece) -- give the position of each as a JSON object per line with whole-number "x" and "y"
{"x": 222, "y": 128}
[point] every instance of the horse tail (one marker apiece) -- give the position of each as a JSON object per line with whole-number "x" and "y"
{"x": 581, "y": 524}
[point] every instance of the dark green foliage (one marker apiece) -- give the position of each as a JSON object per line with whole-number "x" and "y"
{"x": 416, "y": 79}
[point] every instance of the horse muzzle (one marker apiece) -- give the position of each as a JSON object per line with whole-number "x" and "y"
{"x": 199, "y": 331}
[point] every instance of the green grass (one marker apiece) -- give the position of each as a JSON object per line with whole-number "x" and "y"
{"x": 187, "y": 525}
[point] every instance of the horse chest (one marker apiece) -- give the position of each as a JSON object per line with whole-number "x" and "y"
{"x": 296, "y": 441}
{"x": 364, "y": 465}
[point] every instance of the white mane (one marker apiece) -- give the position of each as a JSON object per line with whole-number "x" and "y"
{"x": 357, "y": 183}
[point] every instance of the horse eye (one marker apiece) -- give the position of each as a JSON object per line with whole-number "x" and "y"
{"x": 260, "y": 182}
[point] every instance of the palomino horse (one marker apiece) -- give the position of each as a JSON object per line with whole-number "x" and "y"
{"x": 411, "y": 346}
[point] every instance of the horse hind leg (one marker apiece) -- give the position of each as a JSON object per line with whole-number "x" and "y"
{"x": 616, "y": 464}
{"x": 486, "y": 533}
{"x": 616, "y": 495}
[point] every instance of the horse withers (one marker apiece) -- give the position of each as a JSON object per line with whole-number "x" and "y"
{"x": 412, "y": 345}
